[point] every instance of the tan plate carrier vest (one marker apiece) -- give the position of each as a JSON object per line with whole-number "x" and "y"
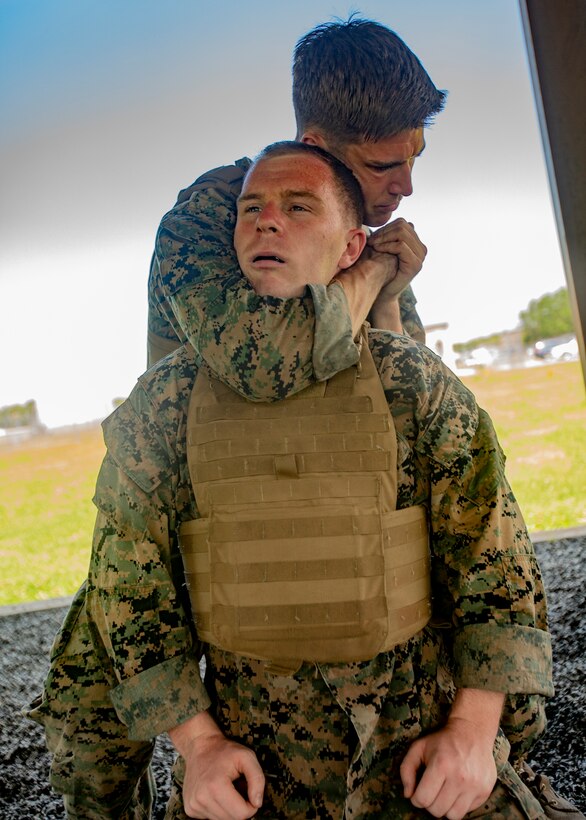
{"x": 299, "y": 553}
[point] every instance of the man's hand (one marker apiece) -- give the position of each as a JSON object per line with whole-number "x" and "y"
{"x": 455, "y": 764}
{"x": 399, "y": 241}
{"x": 215, "y": 768}
{"x": 391, "y": 258}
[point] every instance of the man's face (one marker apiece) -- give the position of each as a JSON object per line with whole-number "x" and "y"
{"x": 292, "y": 229}
{"x": 383, "y": 169}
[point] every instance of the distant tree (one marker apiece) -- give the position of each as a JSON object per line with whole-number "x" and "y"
{"x": 19, "y": 415}
{"x": 494, "y": 340}
{"x": 117, "y": 402}
{"x": 546, "y": 317}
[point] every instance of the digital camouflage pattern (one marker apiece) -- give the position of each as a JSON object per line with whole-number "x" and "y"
{"x": 197, "y": 292}
{"x": 97, "y": 769}
{"x": 125, "y": 666}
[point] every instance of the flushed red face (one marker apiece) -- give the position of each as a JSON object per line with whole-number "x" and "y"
{"x": 383, "y": 169}
{"x": 292, "y": 228}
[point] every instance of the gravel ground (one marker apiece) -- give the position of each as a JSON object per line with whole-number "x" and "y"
{"x": 26, "y": 639}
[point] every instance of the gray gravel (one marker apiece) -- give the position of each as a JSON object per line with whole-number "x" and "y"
{"x": 26, "y": 639}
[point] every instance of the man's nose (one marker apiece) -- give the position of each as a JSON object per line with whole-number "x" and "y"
{"x": 269, "y": 219}
{"x": 401, "y": 182}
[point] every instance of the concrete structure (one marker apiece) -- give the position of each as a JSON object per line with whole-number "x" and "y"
{"x": 555, "y": 33}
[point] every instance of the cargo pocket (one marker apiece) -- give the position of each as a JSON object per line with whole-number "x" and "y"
{"x": 39, "y": 709}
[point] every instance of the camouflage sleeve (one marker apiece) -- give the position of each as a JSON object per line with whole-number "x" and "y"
{"x": 486, "y": 575}
{"x": 135, "y": 581}
{"x": 263, "y": 347}
{"x": 486, "y": 580}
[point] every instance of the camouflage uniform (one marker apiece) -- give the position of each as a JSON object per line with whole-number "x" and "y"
{"x": 197, "y": 292}
{"x": 125, "y": 666}
{"x": 263, "y": 347}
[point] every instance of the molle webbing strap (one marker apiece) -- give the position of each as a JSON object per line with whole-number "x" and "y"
{"x": 325, "y": 622}
{"x": 300, "y": 553}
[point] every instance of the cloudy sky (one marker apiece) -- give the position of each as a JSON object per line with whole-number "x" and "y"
{"x": 109, "y": 108}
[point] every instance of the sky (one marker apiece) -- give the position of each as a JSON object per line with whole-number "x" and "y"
{"x": 109, "y": 108}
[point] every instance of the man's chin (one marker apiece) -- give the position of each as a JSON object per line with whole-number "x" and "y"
{"x": 270, "y": 283}
{"x": 379, "y": 218}
{"x": 382, "y": 214}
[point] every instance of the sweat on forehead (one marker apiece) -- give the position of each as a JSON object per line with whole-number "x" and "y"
{"x": 347, "y": 185}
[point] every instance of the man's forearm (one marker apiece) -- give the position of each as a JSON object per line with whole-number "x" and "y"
{"x": 362, "y": 284}
{"x": 386, "y": 315}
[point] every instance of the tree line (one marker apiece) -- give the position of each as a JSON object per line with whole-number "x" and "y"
{"x": 545, "y": 317}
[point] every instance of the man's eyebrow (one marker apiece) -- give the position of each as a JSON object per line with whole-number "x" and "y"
{"x": 248, "y": 197}
{"x": 288, "y": 193}
{"x": 375, "y": 163}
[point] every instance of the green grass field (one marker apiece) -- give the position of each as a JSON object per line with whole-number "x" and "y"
{"x": 47, "y": 482}
{"x": 46, "y": 513}
{"x": 540, "y": 417}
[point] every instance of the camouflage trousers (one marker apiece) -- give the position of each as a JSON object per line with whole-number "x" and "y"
{"x": 330, "y": 740}
{"x": 97, "y": 769}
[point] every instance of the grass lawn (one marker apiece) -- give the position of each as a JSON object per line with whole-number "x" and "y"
{"x": 47, "y": 482}
{"x": 46, "y": 513}
{"x": 540, "y": 417}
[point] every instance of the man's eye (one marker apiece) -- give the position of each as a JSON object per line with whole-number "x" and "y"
{"x": 298, "y": 208}
{"x": 252, "y": 209}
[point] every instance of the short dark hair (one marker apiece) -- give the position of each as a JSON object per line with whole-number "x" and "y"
{"x": 357, "y": 81}
{"x": 346, "y": 183}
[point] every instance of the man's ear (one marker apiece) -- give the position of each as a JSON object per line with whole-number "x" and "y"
{"x": 356, "y": 240}
{"x": 314, "y": 137}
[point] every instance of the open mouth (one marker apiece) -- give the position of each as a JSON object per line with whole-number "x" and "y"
{"x": 267, "y": 257}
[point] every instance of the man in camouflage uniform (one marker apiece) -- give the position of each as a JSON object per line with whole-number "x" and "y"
{"x": 359, "y": 92}
{"x": 412, "y": 727}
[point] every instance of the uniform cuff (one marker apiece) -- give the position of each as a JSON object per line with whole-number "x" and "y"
{"x": 511, "y": 659}
{"x": 160, "y": 698}
{"x": 333, "y": 348}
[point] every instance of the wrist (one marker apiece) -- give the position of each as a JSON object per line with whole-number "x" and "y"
{"x": 196, "y": 727}
{"x": 480, "y": 707}
{"x": 379, "y": 270}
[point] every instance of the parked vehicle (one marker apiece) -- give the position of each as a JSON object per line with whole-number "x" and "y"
{"x": 542, "y": 349}
{"x": 476, "y": 359}
{"x": 565, "y": 352}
